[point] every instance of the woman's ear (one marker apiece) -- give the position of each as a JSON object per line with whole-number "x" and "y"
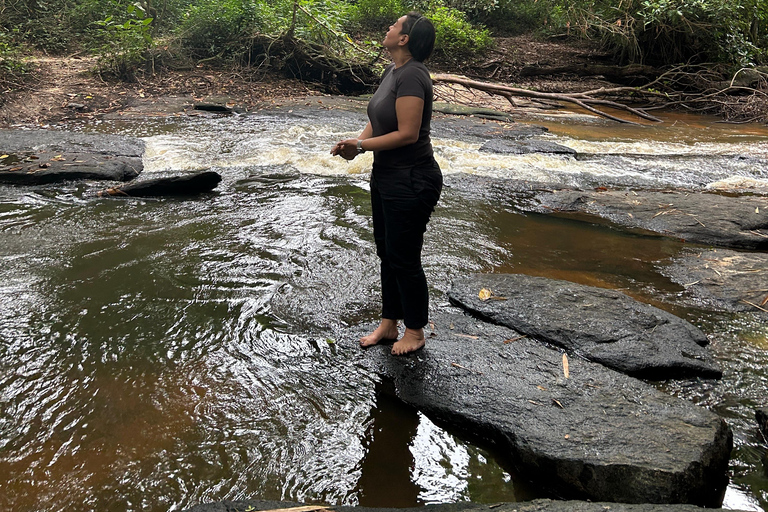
{"x": 404, "y": 38}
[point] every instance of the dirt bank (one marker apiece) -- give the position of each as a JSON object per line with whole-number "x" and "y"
{"x": 66, "y": 88}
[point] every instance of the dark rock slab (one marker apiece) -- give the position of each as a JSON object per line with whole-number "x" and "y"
{"x": 13, "y": 141}
{"x": 601, "y": 325}
{"x": 762, "y": 421}
{"x": 34, "y": 157}
{"x": 596, "y": 434}
{"x": 723, "y": 279}
{"x": 213, "y": 107}
{"x": 584, "y": 506}
{"x": 185, "y": 185}
{"x": 525, "y": 147}
{"x": 740, "y": 222}
{"x": 41, "y": 168}
{"x": 529, "y": 506}
{"x": 470, "y": 129}
{"x": 480, "y": 112}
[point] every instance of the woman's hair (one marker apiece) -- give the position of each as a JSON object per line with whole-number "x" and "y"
{"x": 421, "y": 35}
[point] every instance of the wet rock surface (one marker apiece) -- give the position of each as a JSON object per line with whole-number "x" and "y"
{"x": 604, "y": 326}
{"x": 762, "y": 421}
{"x": 530, "y": 506}
{"x": 34, "y": 157}
{"x": 524, "y": 147}
{"x": 188, "y": 184}
{"x": 739, "y": 222}
{"x": 473, "y": 130}
{"x": 723, "y": 279}
{"x": 584, "y": 432}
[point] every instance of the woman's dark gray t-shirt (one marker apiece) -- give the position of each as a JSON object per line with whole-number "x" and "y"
{"x": 410, "y": 79}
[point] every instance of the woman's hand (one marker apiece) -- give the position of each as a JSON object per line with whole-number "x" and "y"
{"x": 346, "y": 149}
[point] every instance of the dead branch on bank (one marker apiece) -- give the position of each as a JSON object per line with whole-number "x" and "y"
{"x": 584, "y": 100}
{"x": 704, "y": 89}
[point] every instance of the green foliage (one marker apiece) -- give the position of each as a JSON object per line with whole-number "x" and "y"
{"x": 10, "y": 61}
{"x": 456, "y": 37}
{"x": 125, "y": 44}
{"x": 670, "y": 31}
{"x": 12, "y": 68}
{"x": 515, "y": 17}
{"x": 372, "y": 15}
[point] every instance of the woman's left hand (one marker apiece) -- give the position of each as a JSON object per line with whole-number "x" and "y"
{"x": 346, "y": 149}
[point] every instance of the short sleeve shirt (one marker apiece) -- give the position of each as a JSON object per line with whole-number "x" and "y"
{"x": 410, "y": 79}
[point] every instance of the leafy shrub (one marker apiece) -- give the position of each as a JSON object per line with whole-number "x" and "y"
{"x": 515, "y": 17}
{"x": 370, "y": 15}
{"x": 11, "y": 66}
{"x": 125, "y": 44}
{"x": 671, "y": 31}
{"x": 456, "y": 37}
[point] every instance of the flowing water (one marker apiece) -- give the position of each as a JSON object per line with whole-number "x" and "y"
{"x": 159, "y": 353}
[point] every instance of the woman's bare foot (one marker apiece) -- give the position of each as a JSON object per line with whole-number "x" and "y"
{"x": 387, "y": 330}
{"x": 412, "y": 340}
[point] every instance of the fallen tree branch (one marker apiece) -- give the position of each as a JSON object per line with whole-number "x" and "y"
{"x": 581, "y": 99}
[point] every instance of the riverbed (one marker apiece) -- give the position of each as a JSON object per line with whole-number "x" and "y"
{"x": 160, "y": 353}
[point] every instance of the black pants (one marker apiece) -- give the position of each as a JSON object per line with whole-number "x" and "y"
{"x": 402, "y": 204}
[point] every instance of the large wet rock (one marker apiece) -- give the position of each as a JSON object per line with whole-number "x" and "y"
{"x": 187, "y": 184}
{"x": 587, "y": 432}
{"x": 507, "y": 147}
{"x": 712, "y": 219}
{"x": 762, "y": 421}
{"x": 723, "y": 279}
{"x": 529, "y": 506}
{"x": 473, "y": 131}
{"x": 601, "y": 325}
{"x": 34, "y": 157}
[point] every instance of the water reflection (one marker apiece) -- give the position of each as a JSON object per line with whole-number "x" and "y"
{"x": 155, "y": 353}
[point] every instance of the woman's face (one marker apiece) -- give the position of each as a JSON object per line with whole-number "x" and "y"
{"x": 394, "y": 33}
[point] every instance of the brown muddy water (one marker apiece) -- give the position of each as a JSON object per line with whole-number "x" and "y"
{"x": 160, "y": 353}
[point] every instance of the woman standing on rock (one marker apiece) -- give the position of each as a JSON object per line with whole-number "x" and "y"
{"x": 405, "y": 181}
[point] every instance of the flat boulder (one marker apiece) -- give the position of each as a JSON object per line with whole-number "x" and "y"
{"x": 604, "y": 326}
{"x": 705, "y": 218}
{"x": 723, "y": 279}
{"x": 526, "y": 506}
{"x": 474, "y": 130}
{"x": 575, "y": 428}
{"x": 517, "y": 147}
{"x": 183, "y": 185}
{"x": 38, "y": 157}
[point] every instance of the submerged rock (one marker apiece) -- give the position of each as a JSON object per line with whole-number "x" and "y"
{"x": 184, "y": 185}
{"x": 524, "y": 147}
{"x": 37, "y": 157}
{"x": 525, "y": 506}
{"x": 724, "y": 279}
{"x": 575, "y": 428}
{"x": 604, "y": 326}
{"x": 740, "y": 222}
{"x": 471, "y": 130}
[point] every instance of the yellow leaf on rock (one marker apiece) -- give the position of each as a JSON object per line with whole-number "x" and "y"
{"x": 485, "y": 294}
{"x": 566, "y": 372}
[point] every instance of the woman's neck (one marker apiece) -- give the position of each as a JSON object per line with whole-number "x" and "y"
{"x": 400, "y": 56}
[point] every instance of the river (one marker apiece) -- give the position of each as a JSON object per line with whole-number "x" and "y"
{"x": 159, "y": 353}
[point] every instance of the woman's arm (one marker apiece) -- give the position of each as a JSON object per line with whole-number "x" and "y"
{"x": 409, "y": 111}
